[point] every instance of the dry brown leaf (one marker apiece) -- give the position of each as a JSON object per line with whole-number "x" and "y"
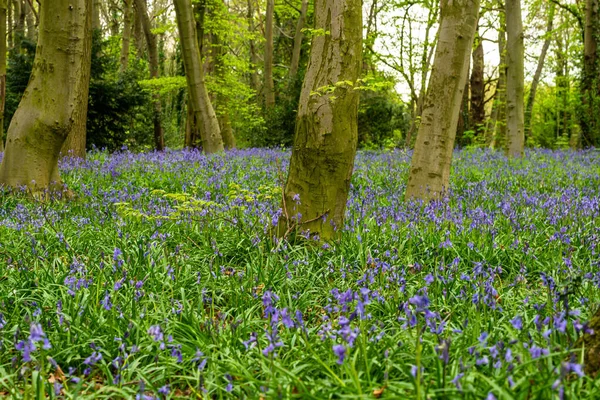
{"x": 378, "y": 392}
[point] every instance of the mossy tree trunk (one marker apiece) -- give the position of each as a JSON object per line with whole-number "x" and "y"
{"x": 326, "y": 126}
{"x": 152, "y": 46}
{"x": 51, "y": 103}
{"x": 590, "y": 83}
{"x": 430, "y": 166}
{"x": 204, "y": 121}
{"x": 515, "y": 80}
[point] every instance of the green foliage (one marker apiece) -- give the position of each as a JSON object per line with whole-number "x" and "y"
{"x": 382, "y": 116}
{"x": 117, "y": 104}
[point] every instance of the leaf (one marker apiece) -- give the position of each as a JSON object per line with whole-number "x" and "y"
{"x": 378, "y": 392}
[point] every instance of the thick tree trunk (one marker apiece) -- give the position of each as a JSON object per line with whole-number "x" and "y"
{"x": 204, "y": 117}
{"x": 515, "y": 80}
{"x": 3, "y": 24}
{"x": 430, "y": 165}
{"x": 538, "y": 71}
{"x": 298, "y": 43}
{"x": 269, "y": 86}
{"x": 477, "y": 87}
{"x": 51, "y": 103}
{"x": 152, "y": 46}
{"x": 127, "y": 25}
{"x": 326, "y": 137}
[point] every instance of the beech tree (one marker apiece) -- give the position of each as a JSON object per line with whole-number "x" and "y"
{"x": 204, "y": 121}
{"x": 326, "y": 134}
{"x": 515, "y": 80}
{"x": 430, "y": 165}
{"x": 51, "y": 104}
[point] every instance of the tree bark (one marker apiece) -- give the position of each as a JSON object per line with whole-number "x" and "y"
{"x": 204, "y": 118}
{"x": 152, "y": 46}
{"x": 254, "y": 80}
{"x": 590, "y": 116}
{"x": 477, "y": 87}
{"x": 30, "y": 22}
{"x": 3, "y": 23}
{"x": 326, "y": 136}
{"x": 96, "y": 15}
{"x": 50, "y": 105}
{"x": 127, "y": 14}
{"x": 298, "y": 43}
{"x": 269, "y": 86}
{"x": 19, "y": 23}
{"x": 430, "y": 166}
{"x": 515, "y": 80}
{"x": 497, "y": 129}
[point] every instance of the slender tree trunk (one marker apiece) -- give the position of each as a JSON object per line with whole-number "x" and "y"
{"x": 3, "y": 22}
{"x": 152, "y": 46}
{"x": 19, "y": 23}
{"x": 30, "y": 21}
{"x": 326, "y": 137}
{"x": 498, "y": 120}
{"x": 515, "y": 80}
{"x": 430, "y": 166}
{"x": 477, "y": 87}
{"x": 9, "y": 24}
{"x": 205, "y": 120}
{"x": 463, "y": 124}
{"x": 538, "y": 71}
{"x": 590, "y": 84}
{"x": 254, "y": 80}
{"x": 96, "y": 15}
{"x": 127, "y": 14}
{"x": 138, "y": 32}
{"x": 269, "y": 86}
{"x": 298, "y": 43}
{"x": 50, "y": 105}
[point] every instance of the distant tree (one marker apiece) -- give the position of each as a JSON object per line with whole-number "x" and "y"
{"x": 325, "y": 143}
{"x": 430, "y": 166}
{"x": 204, "y": 122}
{"x": 152, "y": 46}
{"x": 51, "y": 104}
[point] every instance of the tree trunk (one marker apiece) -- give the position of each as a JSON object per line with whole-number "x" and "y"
{"x": 50, "y": 105}
{"x": 497, "y": 130}
{"x": 3, "y": 22}
{"x": 538, "y": 71}
{"x": 205, "y": 120}
{"x": 269, "y": 86}
{"x": 127, "y": 14}
{"x": 19, "y": 23}
{"x": 96, "y": 15}
{"x": 30, "y": 21}
{"x": 298, "y": 43}
{"x": 254, "y": 80}
{"x": 477, "y": 87}
{"x": 152, "y": 46}
{"x": 515, "y": 80}
{"x": 9, "y": 24}
{"x": 590, "y": 115}
{"x": 138, "y": 32}
{"x": 326, "y": 136}
{"x": 430, "y": 165}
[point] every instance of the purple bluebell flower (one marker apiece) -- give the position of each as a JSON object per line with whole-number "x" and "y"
{"x": 340, "y": 351}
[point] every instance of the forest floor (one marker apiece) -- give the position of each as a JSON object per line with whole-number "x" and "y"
{"x": 161, "y": 280}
